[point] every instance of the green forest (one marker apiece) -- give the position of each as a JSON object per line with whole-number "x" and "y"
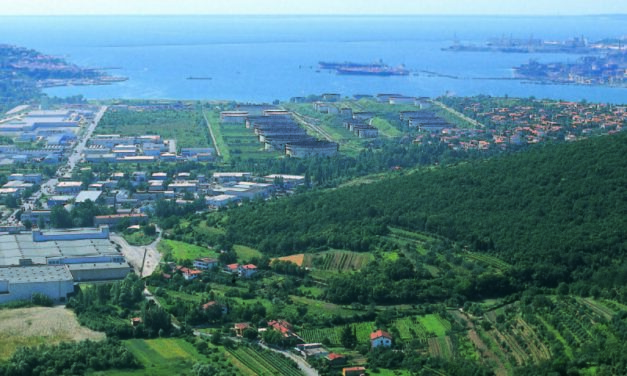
{"x": 554, "y": 213}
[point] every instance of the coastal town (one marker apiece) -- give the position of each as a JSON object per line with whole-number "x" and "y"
{"x": 133, "y": 192}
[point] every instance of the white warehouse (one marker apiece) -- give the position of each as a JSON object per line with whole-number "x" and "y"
{"x": 20, "y": 283}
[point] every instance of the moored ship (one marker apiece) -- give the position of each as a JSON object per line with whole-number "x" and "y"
{"x": 376, "y": 69}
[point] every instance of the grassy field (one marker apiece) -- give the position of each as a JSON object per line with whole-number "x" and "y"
{"x": 138, "y": 238}
{"x": 237, "y": 141}
{"x": 385, "y": 128}
{"x": 184, "y": 251}
{"x": 320, "y": 307}
{"x": 245, "y": 254}
{"x": 186, "y": 126}
{"x": 414, "y": 327}
{"x": 214, "y": 122}
{"x": 160, "y": 357}
{"x": 243, "y": 143}
{"x": 39, "y": 325}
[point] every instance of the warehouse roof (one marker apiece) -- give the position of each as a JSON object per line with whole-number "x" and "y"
{"x": 16, "y": 247}
{"x": 30, "y": 274}
{"x": 88, "y": 195}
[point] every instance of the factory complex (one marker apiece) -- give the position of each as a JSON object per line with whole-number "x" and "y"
{"x": 51, "y": 262}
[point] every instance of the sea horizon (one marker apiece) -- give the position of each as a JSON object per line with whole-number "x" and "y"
{"x": 275, "y": 57}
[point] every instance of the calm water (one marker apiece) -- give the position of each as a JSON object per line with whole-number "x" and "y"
{"x": 267, "y": 58}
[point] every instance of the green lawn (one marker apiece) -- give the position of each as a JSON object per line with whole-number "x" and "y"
{"x": 245, "y": 253}
{"x": 184, "y": 251}
{"x": 434, "y": 324}
{"x": 385, "y": 128}
{"x": 237, "y": 141}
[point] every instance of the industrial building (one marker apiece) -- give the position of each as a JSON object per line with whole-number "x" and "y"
{"x": 51, "y": 261}
{"x": 20, "y": 283}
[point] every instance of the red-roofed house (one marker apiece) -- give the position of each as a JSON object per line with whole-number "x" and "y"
{"x": 189, "y": 274}
{"x": 282, "y": 326}
{"x": 212, "y": 304}
{"x": 247, "y": 271}
{"x": 336, "y": 359}
{"x": 380, "y": 338}
{"x": 240, "y": 327}
{"x": 354, "y": 371}
{"x": 232, "y": 268}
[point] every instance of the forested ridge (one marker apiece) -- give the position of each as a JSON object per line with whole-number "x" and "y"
{"x": 556, "y": 212}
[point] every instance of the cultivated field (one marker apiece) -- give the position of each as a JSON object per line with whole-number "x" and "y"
{"x": 263, "y": 362}
{"x": 184, "y": 251}
{"x": 160, "y": 357}
{"x": 39, "y": 325}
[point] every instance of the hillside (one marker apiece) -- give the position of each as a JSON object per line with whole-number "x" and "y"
{"x": 556, "y": 212}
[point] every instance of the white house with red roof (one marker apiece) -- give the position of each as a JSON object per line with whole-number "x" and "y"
{"x": 189, "y": 274}
{"x": 380, "y": 338}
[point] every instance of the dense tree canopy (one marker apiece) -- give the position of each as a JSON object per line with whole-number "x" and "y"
{"x": 555, "y": 212}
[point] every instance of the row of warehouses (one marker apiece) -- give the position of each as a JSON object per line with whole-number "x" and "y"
{"x": 277, "y": 130}
{"x": 51, "y": 262}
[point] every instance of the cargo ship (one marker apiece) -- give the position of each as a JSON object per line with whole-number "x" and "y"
{"x": 376, "y": 69}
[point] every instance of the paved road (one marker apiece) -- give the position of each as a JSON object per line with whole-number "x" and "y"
{"x": 135, "y": 254}
{"x": 302, "y": 364}
{"x": 66, "y": 169}
{"x": 458, "y": 114}
{"x": 213, "y": 138}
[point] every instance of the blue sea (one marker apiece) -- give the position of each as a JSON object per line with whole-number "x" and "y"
{"x": 263, "y": 58}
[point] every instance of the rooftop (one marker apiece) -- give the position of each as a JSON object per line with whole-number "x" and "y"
{"x": 88, "y": 195}
{"x": 21, "y": 246}
{"x": 30, "y": 274}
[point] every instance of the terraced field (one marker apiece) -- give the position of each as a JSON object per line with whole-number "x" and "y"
{"x": 265, "y": 363}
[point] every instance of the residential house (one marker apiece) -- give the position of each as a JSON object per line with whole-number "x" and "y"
{"x": 232, "y": 268}
{"x": 189, "y": 274}
{"x": 240, "y": 327}
{"x": 283, "y": 327}
{"x": 247, "y": 271}
{"x": 380, "y": 338}
{"x": 212, "y": 304}
{"x": 205, "y": 263}
{"x": 336, "y": 360}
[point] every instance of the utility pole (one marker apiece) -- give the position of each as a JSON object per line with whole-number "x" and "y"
{"x": 141, "y": 271}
